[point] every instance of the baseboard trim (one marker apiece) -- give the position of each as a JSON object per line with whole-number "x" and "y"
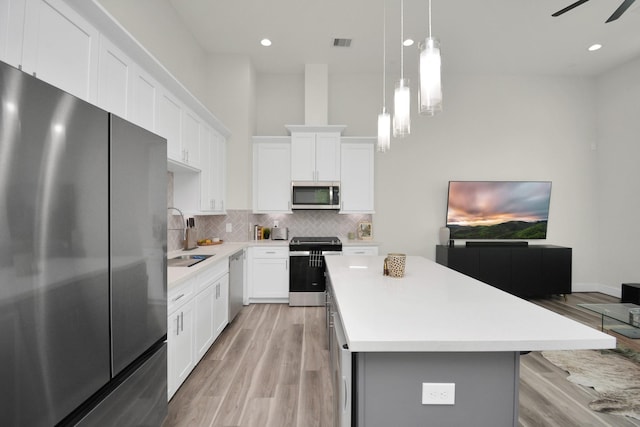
{"x": 597, "y": 287}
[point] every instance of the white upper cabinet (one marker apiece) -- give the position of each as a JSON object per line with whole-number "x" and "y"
{"x": 115, "y": 80}
{"x": 271, "y": 175}
{"x": 357, "y": 183}
{"x": 213, "y": 166}
{"x": 191, "y": 138}
{"x": 61, "y": 48}
{"x": 170, "y": 125}
{"x": 11, "y": 31}
{"x": 145, "y": 100}
{"x": 315, "y": 156}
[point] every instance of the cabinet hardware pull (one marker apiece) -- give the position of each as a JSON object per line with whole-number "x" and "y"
{"x": 177, "y": 298}
{"x": 182, "y": 321}
{"x": 346, "y": 396}
{"x": 177, "y": 325}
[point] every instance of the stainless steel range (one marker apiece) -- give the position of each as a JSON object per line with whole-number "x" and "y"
{"x": 307, "y": 272}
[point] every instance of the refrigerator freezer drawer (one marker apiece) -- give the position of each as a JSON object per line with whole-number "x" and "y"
{"x": 140, "y": 399}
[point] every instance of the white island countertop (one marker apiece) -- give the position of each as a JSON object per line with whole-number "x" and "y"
{"x": 436, "y": 309}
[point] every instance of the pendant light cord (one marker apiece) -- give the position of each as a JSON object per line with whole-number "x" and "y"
{"x": 384, "y": 54}
{"x": 402, "y": 39}
{"x": 429, "y": 18}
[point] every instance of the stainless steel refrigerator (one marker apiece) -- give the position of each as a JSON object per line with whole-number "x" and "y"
{"x": 82, "y": 262}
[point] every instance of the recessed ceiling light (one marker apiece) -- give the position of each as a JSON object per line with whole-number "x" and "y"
{"x": 265, "y": 42}
{"x": 407, "y": 42}
{"x": 594, "y": 47}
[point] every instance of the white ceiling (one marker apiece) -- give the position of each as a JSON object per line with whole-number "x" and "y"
{"x": 509, "y": 36}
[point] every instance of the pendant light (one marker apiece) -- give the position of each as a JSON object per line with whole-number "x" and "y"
{"x": 401, "y": 96}
{"x": 384, "y": 120}
{"x": 430, "y": 93}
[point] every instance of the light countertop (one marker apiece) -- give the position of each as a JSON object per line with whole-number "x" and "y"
{"x": 177, "y": 275}
{"x": 436, "y": 309}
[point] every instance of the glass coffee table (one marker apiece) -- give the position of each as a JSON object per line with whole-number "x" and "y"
{"x": 623, "y": 319}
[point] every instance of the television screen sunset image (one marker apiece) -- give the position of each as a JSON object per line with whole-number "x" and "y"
{"x": 498, "y": 209}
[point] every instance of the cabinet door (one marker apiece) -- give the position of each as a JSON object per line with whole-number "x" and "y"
{"x": 61, "y": 48}
{"x": 170, "y": 126}
{"x": 217, "y": 181}
{"x": 463, "y": 260}
{"x": 206, "y": 169}
{"x": 360, "y": 250}
{"x": 180, "y": 357}
{"x": 204, "y": 312}
{"x": 191, "y": 138}
{"x": 11, "y": 31}
{"x": 356, "y": 178}
{"x": 145, "y": 102}
{"x": 328, "y": 156}
{"x": 495, "y": 267}
{"x": 271, "y": 178}
{"x": 556, "y": 267}
{"x": 526, "y": 272}
{"x": 270, "y": 278}
{"x": 303, "y": 156}
{"x": 115, "y": 82}
{"x": 221, "y": 309}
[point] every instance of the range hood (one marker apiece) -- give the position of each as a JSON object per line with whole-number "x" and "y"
{"x": 316, "y": 94}
{"x": 316, "y": 101}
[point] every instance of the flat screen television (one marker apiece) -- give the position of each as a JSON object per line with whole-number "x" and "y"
{"x": 489, "y": 210}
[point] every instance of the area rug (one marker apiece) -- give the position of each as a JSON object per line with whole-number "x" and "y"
{"x": 614, "y": 374}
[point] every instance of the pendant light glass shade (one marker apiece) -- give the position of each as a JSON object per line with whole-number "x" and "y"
{"x": 401, "y": 109}
{"x": 384, "y": 131}
{"x": 430, "y": 93}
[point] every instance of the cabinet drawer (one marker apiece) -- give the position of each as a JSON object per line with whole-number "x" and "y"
{"x": 271, "y": 252}
{"x": 179, "y": 295}
{"x": 360, "y": 250}
{"x": 213, "y": 273}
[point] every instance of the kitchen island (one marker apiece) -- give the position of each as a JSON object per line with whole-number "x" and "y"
{"x": 436, "y": 325}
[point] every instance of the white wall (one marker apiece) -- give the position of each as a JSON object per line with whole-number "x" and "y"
{"x": 279, "y": 102}
{"x": 619, "y": 175}
{"x": 492, "y": 127}
{"x": 231, "y": 98}
{"x": 157, "y": 26}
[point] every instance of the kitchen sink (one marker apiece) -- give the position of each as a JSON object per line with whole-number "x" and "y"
{"x": 186, "y": 260}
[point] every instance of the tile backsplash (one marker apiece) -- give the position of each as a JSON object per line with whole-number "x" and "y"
{"x": 301, "y": 223}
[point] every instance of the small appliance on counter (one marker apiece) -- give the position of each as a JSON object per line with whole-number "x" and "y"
{"x": 279, "y": 233}
{"x": 190, "y": 235}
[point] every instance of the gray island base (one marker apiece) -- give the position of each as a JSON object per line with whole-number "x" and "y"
{"x": 389, "y": 389}
{"x": 435, "y": 325}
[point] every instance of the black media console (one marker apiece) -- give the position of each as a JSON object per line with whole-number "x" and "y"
{"x": 524, "y": 271}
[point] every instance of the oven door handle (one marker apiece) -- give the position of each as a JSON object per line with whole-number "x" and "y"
{"x": 299, "y": 253}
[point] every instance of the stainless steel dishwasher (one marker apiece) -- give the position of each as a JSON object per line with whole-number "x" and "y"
{"x": 236, "y": 283}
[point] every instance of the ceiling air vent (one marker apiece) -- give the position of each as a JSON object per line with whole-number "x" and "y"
{"x": 341, "y": 42}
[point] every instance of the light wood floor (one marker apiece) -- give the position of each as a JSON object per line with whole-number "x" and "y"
{"x": 270, "y": 368}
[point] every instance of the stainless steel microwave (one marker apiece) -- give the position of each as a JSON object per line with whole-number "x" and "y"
{"x": 311, "y": 195}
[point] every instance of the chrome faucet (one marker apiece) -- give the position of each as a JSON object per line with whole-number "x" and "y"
{"x": 184, "y": 224}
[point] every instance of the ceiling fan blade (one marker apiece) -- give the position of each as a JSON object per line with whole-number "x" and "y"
{"x": 572, "y": 6}
{"x": 620, "y": 10}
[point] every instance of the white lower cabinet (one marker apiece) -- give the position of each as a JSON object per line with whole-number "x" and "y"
{"x": 269, "y": 274}
{"x": 180, "y": 336}
{"x": 204, "y": 332}
{"x": 198, "y": 312}
{"x": 360, "y": 250}
{"x": 221, "y": 305}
